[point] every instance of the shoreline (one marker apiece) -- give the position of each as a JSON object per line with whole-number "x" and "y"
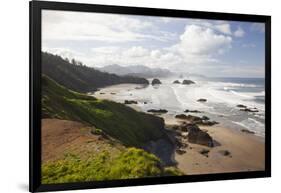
{"x": 246, "y": 150}
{"x": 246, "y": 153}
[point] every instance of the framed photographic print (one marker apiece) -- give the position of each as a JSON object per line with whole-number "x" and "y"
{"x": 123, "y": 96}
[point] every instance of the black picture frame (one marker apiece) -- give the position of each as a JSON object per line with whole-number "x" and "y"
{"x": 36, "y": 8}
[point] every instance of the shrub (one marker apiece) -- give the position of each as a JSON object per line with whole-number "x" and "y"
{"x": 131, "y": 163}
{"x": 96, "y": 131}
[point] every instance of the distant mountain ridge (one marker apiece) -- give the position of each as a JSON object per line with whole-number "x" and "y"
{"x": 136, "y": 70}
{"x": 80, "y": 78}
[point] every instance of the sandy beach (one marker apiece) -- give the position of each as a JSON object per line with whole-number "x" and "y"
{"x": 245, "y": 151}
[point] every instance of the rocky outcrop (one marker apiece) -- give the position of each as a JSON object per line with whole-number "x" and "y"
{"x": 188, "y": 82}
{"x": 196, "y": 135}
{"x": 129, "y": 102}
{"x": 204, "y": 120}
{"x": 176, "y": 82}
{"x": 225, "y": 153}
{"x": 208, "y": 123}
{"x": 194, "y": 119}
{"x": 181, "y": 116}
{"x": 157, "y": 111}
{"x": 156, "y": 81}
{"x": 247, "y": 131}
{"x": 162, "y": 148}
{"x": 193, "y": 134}
{"x": 204, "y": 152}
{"x": 251, "y": 110}
{"x": 180, "y": 151}
{"x": 202, "y": 100}
{"x": 247, "y": 109}
{"x": 187, "y": 127}
{"x": 192, "y": 111}
{"x": 241, "y": 106}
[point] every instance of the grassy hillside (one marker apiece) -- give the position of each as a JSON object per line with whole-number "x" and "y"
{"x": 80, "y": 78}
{"x": 131, "y": 163}
{"x": 72, "y": 153}
{"x": 130, "y": 127}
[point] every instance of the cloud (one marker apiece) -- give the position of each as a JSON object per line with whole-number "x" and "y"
{"x": 224, "y": 28}
{"x": 105, "y": 50}
{"x": 218, "y": 26}
{"x": 155, "y": 53}
{"x": 197, "y": 40}
{"x": 64, "y": 52}
{"x": 82, "y": 26}
{"x": 137, "y": 51}
{"x": 196, "y": 45}
{"x": 239, "y": 32}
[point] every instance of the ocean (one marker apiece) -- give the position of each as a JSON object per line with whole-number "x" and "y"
{"x": 222, "y": 94}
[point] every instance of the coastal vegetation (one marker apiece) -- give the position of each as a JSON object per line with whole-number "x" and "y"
{"x": 78, "y": 77}
{"x": 131, "y": 163}
{"x": 123, "y": 123}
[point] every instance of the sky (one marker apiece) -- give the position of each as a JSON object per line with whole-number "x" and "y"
{"x": 214, "y": 48}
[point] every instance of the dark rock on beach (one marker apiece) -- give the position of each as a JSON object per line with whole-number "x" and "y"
{"x": 187, "y": 82}
{"x": 247, "y": 131}
{"x": 225, "y": 153}
{"x": 181, "y": 116}
{"x": 251, "y": 110}
{"x": 202, "y": 100}
{"x": 180, "y": 151}
{"x": 192, "y": 111}
{"x": 187, "y": 127}
{"x": 157, "y": 111}
{"x": 174, "y": 127}
{"x": 241, "y": 106}
{"x": 156, "y": 81}
{"x": 176, "y": 82}
{"x": 194, "y": 119}
{"x": 204, "y": 120}
{"x": 205, "y": 152}
{"x": 196, "y": 135}
{"x": 208, "y": 123}
{"x": 128, "y": 102}
{"x": 247, "y": 109}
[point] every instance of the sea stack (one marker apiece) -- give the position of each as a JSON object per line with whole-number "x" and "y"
{"x": 187, "y": 82}
{"x": 156, "y": 81}
{"x": 176, "y": 82}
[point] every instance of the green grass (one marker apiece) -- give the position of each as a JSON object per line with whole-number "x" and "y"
{"x": 130, "y": 127}
{"x": 131, "y": 163}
